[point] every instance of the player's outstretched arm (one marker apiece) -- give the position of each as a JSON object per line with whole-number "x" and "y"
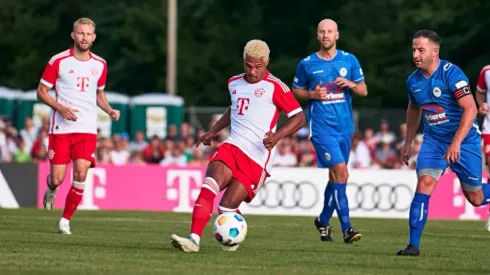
{"x": 467, "y": 103}
{"x": 105, "y": 106}
{"x": 319, "y": 93}
{"x": 292, "y": 126}
{"x": 222, "y": 122}
{"x": 360, "y": 89}
{"x": 413, "y": 120}
{"x": 482, "y": 102}
{"x": 43, "y": 96}
{"x": 301, "y": 93}
{"x": 102, "y": 102}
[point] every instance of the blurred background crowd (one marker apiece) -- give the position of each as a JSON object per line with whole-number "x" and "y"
{"x": 371, "y": 148}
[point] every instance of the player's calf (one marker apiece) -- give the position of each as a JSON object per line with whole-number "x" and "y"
{"x": 477, "y": 195}
{"x": 50, "y": 193}
{"x": 203, "y": 207}
{"x": 73, "y": 199}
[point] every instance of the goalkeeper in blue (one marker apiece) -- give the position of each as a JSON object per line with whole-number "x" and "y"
{"x": 440, "y": 92}
{"x": 328, "y": 79}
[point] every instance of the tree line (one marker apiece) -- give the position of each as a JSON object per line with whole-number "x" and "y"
{"x": 131, "y": 36}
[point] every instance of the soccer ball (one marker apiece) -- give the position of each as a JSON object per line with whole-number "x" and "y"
{"x": 230, "y": 229}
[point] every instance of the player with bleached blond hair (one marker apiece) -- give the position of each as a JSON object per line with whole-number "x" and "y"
{"x": 243, "y": 162}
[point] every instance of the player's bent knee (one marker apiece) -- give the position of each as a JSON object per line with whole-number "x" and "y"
{"x": 220, "y": 173}
{"x": 56, "y": 180}
{"x": 79, "y": 176}
{"x": 339, "y": 173}
{"x": 427, "y": 182}
{"x": 472, "y": 193}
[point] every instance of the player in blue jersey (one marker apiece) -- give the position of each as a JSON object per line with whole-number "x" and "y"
{"x": 439, "y": 92}
{"x": 328, "y": 78}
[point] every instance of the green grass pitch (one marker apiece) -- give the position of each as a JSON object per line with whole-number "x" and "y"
{"x": 138, "y": 243}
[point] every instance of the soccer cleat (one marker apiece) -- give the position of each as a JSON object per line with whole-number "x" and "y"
{"x": 325, "y": 231}
{"x": 64, "y": 227}
{"x": 409, "y": 251}
{"x": 350, "y": 235}
{"x": 48, "y": 199}
{"x": 230, "y": 248}
{"x": 185, "y": 244}
{"x": 487, "y": 224}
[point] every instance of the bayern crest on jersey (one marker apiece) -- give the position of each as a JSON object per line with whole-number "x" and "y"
{"x": 259, "y": 92}
{"x": 94, "y": 71}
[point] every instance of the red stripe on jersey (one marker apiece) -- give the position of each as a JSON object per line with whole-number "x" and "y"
{"x": 59, "y": 55}
{"x": 481, "y": 84}
{"x": 233, "y": 78}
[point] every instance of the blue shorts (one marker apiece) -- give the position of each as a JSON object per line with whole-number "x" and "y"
{"x": 332, "y": 150}
{"x": 468, "y": 168}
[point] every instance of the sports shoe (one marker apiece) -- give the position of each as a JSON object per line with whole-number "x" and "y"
{"x": 325, "y": 231}
{"x": 350, "y": 235}
{"x": 185, "y": 244}
{"x": 230, "y": 248}
{"x": 64, "y": 226}
{"x": 409, "y": 251}
{"x": 48, "y": 199}
{"x": 487, "y": 224}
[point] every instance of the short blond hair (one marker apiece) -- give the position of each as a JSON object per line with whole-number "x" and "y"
{"x": 257, "y": 49}
{"x": 83, "y": 21}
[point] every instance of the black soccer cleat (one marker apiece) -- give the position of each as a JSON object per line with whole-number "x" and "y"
{"x": 409, "y": 251}
{"x": 350, "y": 235}
{"x": 325, "y": 231}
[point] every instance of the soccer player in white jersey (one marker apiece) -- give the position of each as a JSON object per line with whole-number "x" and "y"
{"x": 243, "y": 162}
{"x": 482, "y": 98}
{"x": 78, "y": 78}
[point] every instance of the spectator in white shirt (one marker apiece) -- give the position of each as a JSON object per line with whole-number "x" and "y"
{"x": 119, "y": 156}
{"x": 176, "y": 156}
{"x": 284, "y": 157}
{"x": 360, "y": 156}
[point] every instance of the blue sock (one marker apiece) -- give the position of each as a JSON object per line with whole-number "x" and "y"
{"x": 342, "y": 205}
{"x": 419, "y": 210}
{"x": 328, "y": 205}
{"x": 485, "y": 188}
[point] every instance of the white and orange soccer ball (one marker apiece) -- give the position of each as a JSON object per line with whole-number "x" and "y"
{"x": 230, "y": 229}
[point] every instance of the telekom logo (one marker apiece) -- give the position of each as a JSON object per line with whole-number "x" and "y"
{"x": 459, "y": 201}
{"x": 242, "y": 104}
{"x": 93, "y": 191}
{"x": 179, "y": 188}
{"x": 82, "y": 83}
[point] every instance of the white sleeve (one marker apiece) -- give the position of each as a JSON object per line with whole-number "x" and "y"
{"x": 487, "y": 78}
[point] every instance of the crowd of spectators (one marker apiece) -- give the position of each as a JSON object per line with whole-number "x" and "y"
{"x": 372, "y": 148}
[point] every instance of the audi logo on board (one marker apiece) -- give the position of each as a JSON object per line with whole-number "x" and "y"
{"x": 287, "y": 195}
{"x": 382, "y": 197}
{"x": 306, "y": 195}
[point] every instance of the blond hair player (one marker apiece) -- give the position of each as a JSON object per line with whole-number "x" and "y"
{"x": 78, "y": 78}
